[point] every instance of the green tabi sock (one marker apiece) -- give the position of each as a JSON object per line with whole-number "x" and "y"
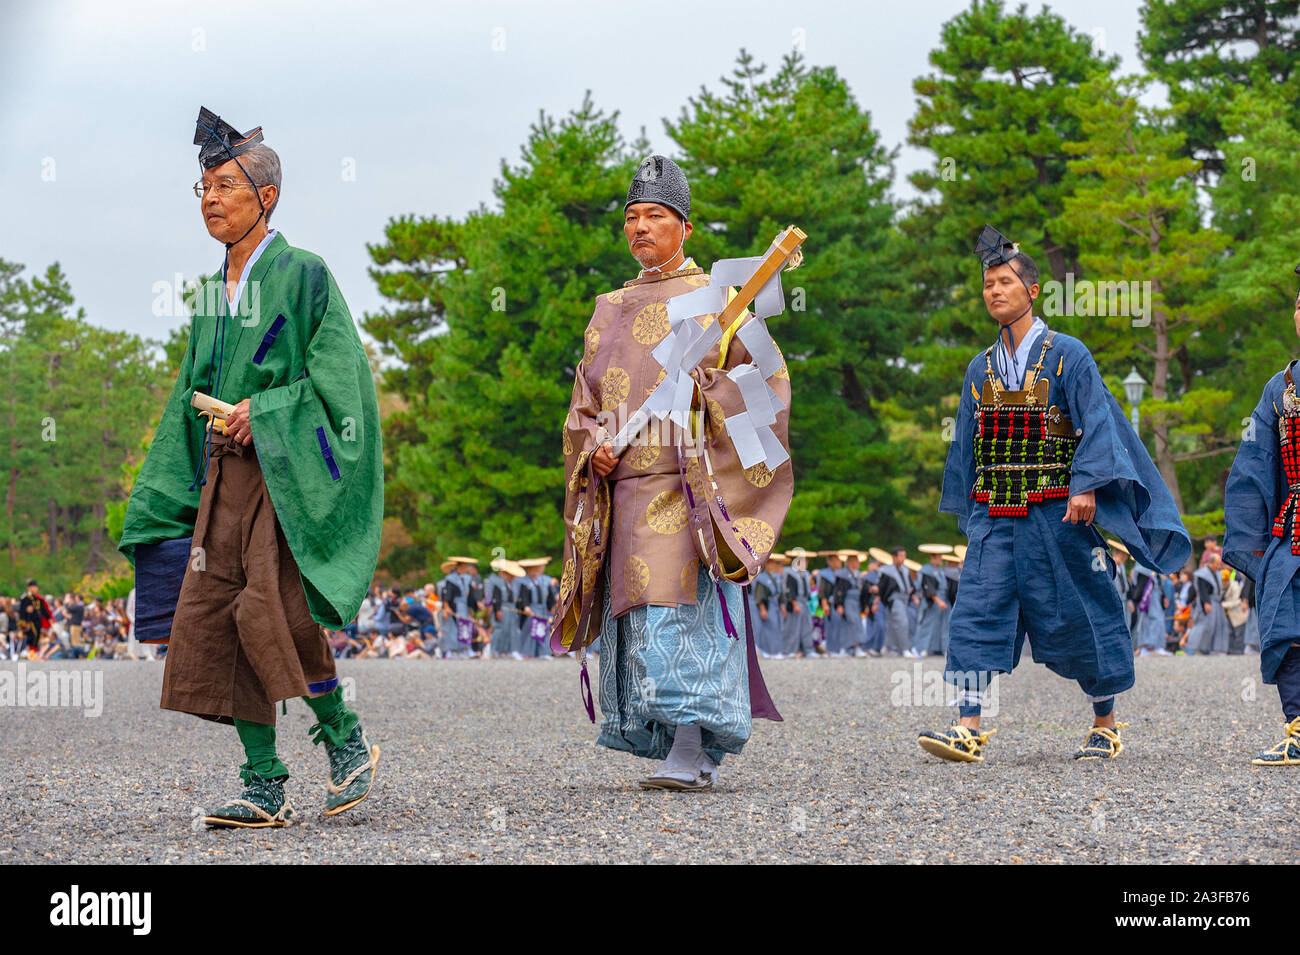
{"x": 259, "y": 747}
{"x": 335, "y": 721}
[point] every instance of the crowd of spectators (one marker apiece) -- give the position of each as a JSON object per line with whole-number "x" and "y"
{"x": 67, "y": 628}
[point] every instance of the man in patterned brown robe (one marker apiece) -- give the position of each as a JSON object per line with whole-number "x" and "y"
{"x": 661, "y": 539}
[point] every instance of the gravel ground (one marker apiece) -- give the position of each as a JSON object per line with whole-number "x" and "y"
{"x": 494, "y": 761}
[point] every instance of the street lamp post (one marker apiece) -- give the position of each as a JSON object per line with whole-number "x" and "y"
{"x": 1134, "y": 388}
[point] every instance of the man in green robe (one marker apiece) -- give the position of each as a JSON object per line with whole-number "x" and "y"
{"x": 271, "y": 522}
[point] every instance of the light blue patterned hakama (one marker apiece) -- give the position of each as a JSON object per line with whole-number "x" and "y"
{"x": 663, "y": 666}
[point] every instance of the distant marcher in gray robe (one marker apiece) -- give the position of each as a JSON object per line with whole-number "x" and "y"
{"x": 1210, "y": 630}
{"x": 1148, "y": 602}
{"x": 855, "y": 632}
{"x": 934, "y": 608}
{"x": 766, "y": 592}
{"x": 531, "y": 600}
{"x": 896, "y": 596}
{"x": 833, "y": 622}
{"x": 454, "y": 594}
{"x": 797, "y": 633}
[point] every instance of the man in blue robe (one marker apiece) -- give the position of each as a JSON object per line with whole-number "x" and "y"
{"x": 1263, "y": 542}
{"x": 766, "y": 591}
{"x": 500, "y": 598}
{"x": 851, "y": 604}
{"x": 533, "y": 597}
{"x": 1210, "y": 630}
{"x": 1041, "y": 450}
{"x": 933, "y": 593}
{"x": 875, "y": 613}
{"x": 833, "y": 620}
{"x": 797, "y": 631}
{"x": 1149, "y": 602}
{"x": 455, "y": 625}
{"x": 896, "y": 595}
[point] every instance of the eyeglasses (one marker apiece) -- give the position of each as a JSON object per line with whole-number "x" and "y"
{"x": 223, "y": 188}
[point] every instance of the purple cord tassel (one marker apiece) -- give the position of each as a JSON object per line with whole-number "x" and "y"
{"x": 584, "y": 687}
{"x": 726, "y": 615}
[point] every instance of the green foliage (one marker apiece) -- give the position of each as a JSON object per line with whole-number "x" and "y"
{"x": 488, "y": 324}
{"x": 798, "y": 148}
{"x": 73, "y": 397}
{"x": 1133, "y": 212}
{"x": 1208, "y": 51}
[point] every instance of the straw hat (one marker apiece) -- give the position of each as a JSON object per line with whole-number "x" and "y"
{"x": 1116, "y": 545}
{"x": 881, "y": 555}
{"x": 534, "y": 562}
{"x": 960, "y": 551}
{"x": 511, "y": 567}
{"x": 911, "y": 564}
{"x": 951, "y": 558}
{"x": 779, "y": 557}
{"x": 847, "y": 553}
{"x": 935, "y": 548}
{"x": 446, "y": 566}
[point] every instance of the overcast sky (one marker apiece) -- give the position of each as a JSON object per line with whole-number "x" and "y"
{"x": 419, "y": 101}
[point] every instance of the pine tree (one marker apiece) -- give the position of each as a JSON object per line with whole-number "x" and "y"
{"x": 1134, "y": 213}
{"x": 489, "y": 325}
{"x": 1206, "y": 51}
{"x": 797, "y": 148}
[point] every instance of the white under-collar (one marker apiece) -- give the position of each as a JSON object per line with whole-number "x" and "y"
{"x": 1007, "y": 369}
{"x": 232, "y": 303}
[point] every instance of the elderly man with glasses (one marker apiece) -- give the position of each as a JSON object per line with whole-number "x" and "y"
{"x": 250, "y": 534}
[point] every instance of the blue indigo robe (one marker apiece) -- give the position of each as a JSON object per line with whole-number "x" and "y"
{"x": 1040, "y": 575}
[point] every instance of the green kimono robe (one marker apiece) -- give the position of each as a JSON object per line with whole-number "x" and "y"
{"x": 293, "y": 350}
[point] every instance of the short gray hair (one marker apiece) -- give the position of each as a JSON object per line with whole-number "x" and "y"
{"x": 262, "y": 164}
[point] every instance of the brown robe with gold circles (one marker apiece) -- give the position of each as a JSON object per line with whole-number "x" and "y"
{"x": 636, "y": 521}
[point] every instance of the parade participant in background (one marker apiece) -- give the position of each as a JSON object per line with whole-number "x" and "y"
{"x": 933, "y": 594}
{"x": 1209, "y": 631}
{"x": 849, "y": 589}
{"x": 1234, "y": 611}
{"x": 1041, "y": 450}
{"x": 532, "y": 599}
{"x": 766, "y": 591}
{"x": 457, "y": 606}
{"x": 500, "y": 597}
{"x": 34, "y": 617}
{"x": 798, "y": 639}
{"x": 1149, "y": 603}
{"x": 831, "y": 602}
{"x": 877, "y": 615}
{"x": 679, "y": 664}
{"x": 477, "y": 611}
{"x": 1260, "y": 505}
{"x": 896, "y": 593}
{"x": 914, "y": 605}
{"x": 261, "y": 531}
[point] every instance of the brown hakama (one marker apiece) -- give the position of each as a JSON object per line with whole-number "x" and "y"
{"x": 243, "y": 637}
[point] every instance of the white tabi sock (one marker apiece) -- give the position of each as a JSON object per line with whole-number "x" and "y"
{"x": 708, "y": 767}
{"x": 684, "y": 758}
